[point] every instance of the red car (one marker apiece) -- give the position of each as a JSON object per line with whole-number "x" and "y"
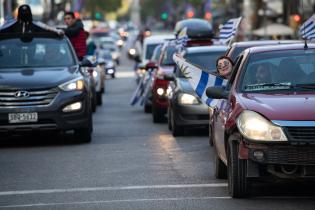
{"x": 264, "y": 120}
{"x": 165, "y": 66}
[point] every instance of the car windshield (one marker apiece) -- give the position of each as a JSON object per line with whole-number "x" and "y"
{"x": 149, "y": 51}
{"x": 41, "y": 52}
{"x": 281, "y": 70}
{"x": 168, "y": 56}
{"x": 206, "y": 60}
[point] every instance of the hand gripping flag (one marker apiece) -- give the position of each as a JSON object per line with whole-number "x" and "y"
{"x": 228, "y": 30}
{"x": 200, "y": 80}
{"x": 307, "y": 30}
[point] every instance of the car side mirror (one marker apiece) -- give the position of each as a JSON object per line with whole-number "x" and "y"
{"x": 151, "y": 65}
{"x": 86, "y": 63}
{"x": 169, "y": 77}
{"x": 217, "y": 93}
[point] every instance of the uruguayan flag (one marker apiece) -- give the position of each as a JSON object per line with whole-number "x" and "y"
{"x": 200, "y": 80}
{"x": 307, "y": 30}
{"x": 228, "y": 30}
{"x": 142, "y": 89}
{"x": 182, "y": 39}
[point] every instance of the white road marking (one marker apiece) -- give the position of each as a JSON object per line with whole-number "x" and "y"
{"x": 113, "y": 201}
{"x": 91, "y": 189}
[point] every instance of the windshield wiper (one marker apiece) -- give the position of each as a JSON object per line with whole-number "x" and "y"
{"x": 284, "y": 84}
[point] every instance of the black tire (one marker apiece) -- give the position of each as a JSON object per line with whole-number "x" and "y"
{"x": 169, "y": 118}
{"x": 113, "y": 76}
{"x": 147, "y": 108}
{"x": 94, "y": 103}
{"x": 102, "y": 90}
{"x": 157, "y": 114}
{"x": 176, "y": 129}
{"x": 99, "y": 98}
{"x": 84, "y": 135}
{"x": 220, "y": 169}
{"x": 238, "y": 183}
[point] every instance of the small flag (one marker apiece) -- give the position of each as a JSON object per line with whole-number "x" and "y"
{"x": 200, "y": 80}
{"x": 142, "y": 89}
{"x": 182, "y": 39}
{"x": 307, "y": 30}
{"x": 228, "y": 30}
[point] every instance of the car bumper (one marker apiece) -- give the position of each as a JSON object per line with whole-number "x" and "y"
{"x": 50, "y": 117}
{"x": 191, "y": 115}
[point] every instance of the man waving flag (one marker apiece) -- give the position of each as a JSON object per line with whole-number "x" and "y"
{"x": 307, "y": 30}
{"x": 228, "y": 30}
{"x": 200, "y": 80}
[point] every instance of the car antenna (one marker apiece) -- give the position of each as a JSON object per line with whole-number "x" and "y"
{"x": 305, "y": 41}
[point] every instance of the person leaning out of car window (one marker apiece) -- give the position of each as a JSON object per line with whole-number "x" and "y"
{"x": 75, "y": 32}
{"x": 224, "y": 67}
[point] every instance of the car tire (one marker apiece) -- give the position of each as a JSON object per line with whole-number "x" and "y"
{"x": 84, "y": 135}
{"x": 157, "y": 114}
{"x": 220, "y": 169}
{"x": 238, "y": 183}
{"x": 113, "y": 76}
{"x": 169, "y": 118}
{"x": 176, "y": 129}
{"x": 147, "y": 108}
{"x": 99, "y": 98}
{"x": 102, "y": 90}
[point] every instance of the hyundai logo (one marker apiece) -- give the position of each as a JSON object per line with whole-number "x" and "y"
{"x": 22, "y": 94}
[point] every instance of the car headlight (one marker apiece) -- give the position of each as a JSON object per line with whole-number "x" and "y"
{"x": 95, "y": 74}
{"x": 254, "y": 126}
{"x": 187, "y": 99}
{"x": 160, "y": 91}
{"x": 110, "y": 71}
{"x": 73, "y": 107}
{"x": 120, "y": 42}
{"x": 132, "y": 51}
{"x": 76, "y": 84}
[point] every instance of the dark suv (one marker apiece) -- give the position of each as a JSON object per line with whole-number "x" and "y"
{"x": 42, "y": 85}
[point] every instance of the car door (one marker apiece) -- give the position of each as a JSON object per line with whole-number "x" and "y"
{"x": 221, "y": 114}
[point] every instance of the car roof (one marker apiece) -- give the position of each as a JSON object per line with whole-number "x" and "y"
{"x": 264, "y": 42}
{"x": 156, "y": 39}
{"x": 286, "y": 47}
{"x": 212, "y": 48}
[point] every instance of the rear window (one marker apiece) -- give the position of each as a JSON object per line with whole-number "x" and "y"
{"x": 149, "y": 51}
{"x": 206, "y": 60}
{"x": 168, "y": 56}
{"x": 41, "y": 52}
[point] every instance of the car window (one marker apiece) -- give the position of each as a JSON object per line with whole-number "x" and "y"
{"x": 239, "y": 60}
{"x": 167, "y": 59}
{"x": 206, "y": 60}
{"x": 290, "y": 68}
{"x": 41, "y": 52}
{"x": 149, "y": 50}
{"x": 156, "y": 54}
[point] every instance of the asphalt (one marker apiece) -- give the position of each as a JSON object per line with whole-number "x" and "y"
{"x": 131, "y": 163}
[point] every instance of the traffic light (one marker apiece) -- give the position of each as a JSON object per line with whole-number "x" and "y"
{"x": 190, "y": 14}
{"x": 164, "y": 16}
{"x": 208, "y": 15}
{"x": 98, "y": 16}
{"x": 77, "y": 15}
{"x": 295, "y": 21}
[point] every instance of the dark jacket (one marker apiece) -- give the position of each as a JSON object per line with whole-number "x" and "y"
{"x": 78, "y": 37}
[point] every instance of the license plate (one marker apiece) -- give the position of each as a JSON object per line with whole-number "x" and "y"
{"x": 23, "y": 117}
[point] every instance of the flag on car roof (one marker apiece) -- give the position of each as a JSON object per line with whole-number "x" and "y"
{"x": 182, "y": 39}
{"x": 307, "y": 30}
{"x": 199, "y": 79}
{"x": 228, "y": 30}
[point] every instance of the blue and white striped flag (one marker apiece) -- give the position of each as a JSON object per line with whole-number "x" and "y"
{"x": 200, "y": 80}
{"x": 228, "y": 30}
{"x": 307, "y": 30}
{"x": 142, "y": 89}
{"x": 182, "y": 40}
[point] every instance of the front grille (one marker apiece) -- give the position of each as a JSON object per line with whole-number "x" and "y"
{"x": 35, "y": 98}
{"x": 301, "y": 133}
{"x": 287, "y": 155}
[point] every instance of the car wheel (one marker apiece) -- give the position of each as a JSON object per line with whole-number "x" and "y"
{"x": 94, "y": 103}
{"x": 102, "y": 90}
{"x": 84, "y": 135}
{"x": 99, "y": 98}
{"x": 238, "y": 183}
{"x": 176, "y": 129}
{"x": 113, "y": 76}
{"x": 220, "y": 169}
{"x": 169, "y": 123}
{"x": 147, "y": 108}
{"x": 157, "y": 114}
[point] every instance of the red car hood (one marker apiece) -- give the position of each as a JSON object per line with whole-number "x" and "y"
{"x": 281, "y": 106}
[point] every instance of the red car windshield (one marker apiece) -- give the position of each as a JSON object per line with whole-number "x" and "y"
{"x": 280, "y": 70}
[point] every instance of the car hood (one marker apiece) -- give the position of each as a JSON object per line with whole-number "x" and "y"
{"x": 36, "y": 78}
{"x": 291, "y": 106}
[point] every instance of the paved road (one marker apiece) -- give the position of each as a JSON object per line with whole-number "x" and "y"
{"x": 130, "y": 164}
